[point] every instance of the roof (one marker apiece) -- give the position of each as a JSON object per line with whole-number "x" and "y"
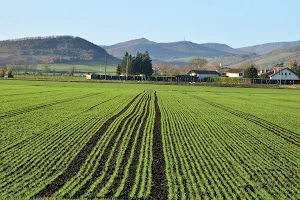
{"x": 271, "y": 73}
{"x": 235, "y": 71}
{"x": 223, "y": 70}
{"x": 203, "y": 72}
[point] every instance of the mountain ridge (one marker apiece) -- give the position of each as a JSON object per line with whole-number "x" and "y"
{"x": 57, "y": 49}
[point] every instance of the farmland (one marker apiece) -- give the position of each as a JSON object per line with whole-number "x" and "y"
{"x": 113, "y": 140}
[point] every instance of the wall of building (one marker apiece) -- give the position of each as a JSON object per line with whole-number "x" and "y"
{"x": 234, "y": 75}
{"x": 285, "y": 75}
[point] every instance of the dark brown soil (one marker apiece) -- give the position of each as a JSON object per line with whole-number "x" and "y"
{"x": 80, "y": 158}
{"x": 159, "y": 189}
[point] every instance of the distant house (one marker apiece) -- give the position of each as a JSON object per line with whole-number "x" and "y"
{"x": 201, "y": 74}
{"x": 223, "y": 70}
{"x": 235, "y": 73}
{"x": 284, "y": 74}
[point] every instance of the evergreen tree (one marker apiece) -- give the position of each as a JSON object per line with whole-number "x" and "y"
{"x": 251, "y": 72}
{"x": 138, "y": 63}
{"x": 147, "y": 64}
{"x": 295, "y": 66}
{"x": 124, "y": 64}
{"x": 119, "y": 69}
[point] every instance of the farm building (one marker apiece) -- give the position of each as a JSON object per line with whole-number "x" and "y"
{"x": 201, "y": 74}
{"x": 284, "y": 74}
{"x": 223, "y": 71}
{"x": 235, "y": 73}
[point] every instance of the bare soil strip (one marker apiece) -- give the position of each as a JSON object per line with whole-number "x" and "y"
{"x": 106, "y": 154}
{"x": 80, "y": 158}
{"x": 282, "y": 132}
{"x": 159, "y": 189}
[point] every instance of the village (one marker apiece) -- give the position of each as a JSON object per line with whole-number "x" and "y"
{"x": 274, "y": 75}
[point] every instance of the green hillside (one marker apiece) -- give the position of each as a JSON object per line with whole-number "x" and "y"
{"x": 60, "y": 49}
{"x": 264, "y": 61}
{"x": 268, "y": 47}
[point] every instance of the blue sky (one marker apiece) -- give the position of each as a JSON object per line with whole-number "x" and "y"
{"x": 234, "y": 22}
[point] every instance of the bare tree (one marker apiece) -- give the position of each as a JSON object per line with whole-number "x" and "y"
{"x": 71, "y": 70}
{"x": 198, "y": 63}
{"x": 9, "y": 71}
{"x": 2, "y": 72}
{"x": 213, "y": 65}
{"x": 47, "y": 60}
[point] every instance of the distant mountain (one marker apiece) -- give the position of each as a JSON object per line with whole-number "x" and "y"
{"x": 60, "y": 49}
{"x": 268, "y": 47}
{"x": 224, "y": 47}
{"x": 263, "y": 61}
{"x": 173, "y": 51}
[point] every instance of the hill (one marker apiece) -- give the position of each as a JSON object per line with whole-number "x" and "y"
{"x": 173, "y": 51}
{"x": 268, "y": 47}
{"x": 60, "y": 49}
{"x": 263, "y": 61}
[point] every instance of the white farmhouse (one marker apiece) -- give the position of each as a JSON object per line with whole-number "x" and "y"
{"x": 235, "y": 73}
{"x": 284, "y": 74}
{"x": 201, "y": 74}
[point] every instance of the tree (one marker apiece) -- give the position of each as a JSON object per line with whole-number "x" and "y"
{"x": 47, "y": 60}
{"x": 251, "y": 71}
{"x": 213, "y": 65}
{"x": 137, "y": 63}
{"x": 119, "y": 69}
{"x": 2, "y": 72}
{"x": 198, "y": 63}
{"x": 295, "y": 66}
{"x": 140, "y": 64}
{"x": 9, "y": 71}
{"x": 146, "y": 64}
{"x": 47, "y": 69}
{"x": 263, "y": 76}
{"x": 71, "y": 70}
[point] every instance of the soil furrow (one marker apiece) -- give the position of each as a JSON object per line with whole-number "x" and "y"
{"x": 80, "y": 158}
{"x": 159, "y": 188}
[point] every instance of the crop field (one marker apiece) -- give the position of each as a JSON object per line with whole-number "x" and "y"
{"x": 112, "y": 140}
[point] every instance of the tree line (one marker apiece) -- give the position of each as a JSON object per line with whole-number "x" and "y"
{"x": 135, "y": 65}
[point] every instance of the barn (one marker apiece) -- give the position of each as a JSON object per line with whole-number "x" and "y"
{"x": 201, "y": 74}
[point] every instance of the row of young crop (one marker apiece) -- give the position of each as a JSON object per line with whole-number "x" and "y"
{"x": 210, "y": 153}
{"x": 21, "y": 127}
{"x": 106, "y": 170}
{"x": 279, "y": 107}
{"x": 29, "y": 166}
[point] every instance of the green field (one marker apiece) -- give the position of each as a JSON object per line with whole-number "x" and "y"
{"x": 63, "y": 68}
{"x": 114, "y": 140}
